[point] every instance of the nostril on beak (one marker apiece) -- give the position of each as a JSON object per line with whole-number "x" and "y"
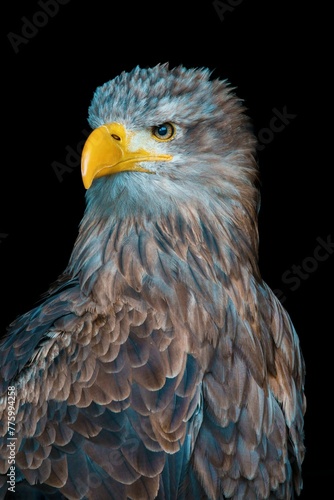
{"x": 116, "y": 137}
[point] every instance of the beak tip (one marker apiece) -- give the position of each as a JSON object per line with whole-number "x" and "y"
{"x": 87, "y": 181}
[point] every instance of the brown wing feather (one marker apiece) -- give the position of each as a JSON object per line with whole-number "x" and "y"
{"x": 111, "y": 356}
{"x": 251, "y": 414}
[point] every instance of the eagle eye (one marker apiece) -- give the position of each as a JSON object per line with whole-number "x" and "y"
{"x": 163, "y": 132}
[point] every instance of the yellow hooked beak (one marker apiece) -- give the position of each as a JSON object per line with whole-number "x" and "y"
{"x": 107, "y": 151}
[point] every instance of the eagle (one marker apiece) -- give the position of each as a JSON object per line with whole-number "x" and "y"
{"x": 159, "y": 365}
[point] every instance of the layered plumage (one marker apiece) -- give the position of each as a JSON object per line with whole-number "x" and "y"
{"x": 160, "y": 365}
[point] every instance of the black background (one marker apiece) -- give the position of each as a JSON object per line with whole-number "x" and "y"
{"x": 274, "y": 54}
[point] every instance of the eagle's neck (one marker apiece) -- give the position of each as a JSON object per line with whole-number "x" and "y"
{"x": 195, "y": 247}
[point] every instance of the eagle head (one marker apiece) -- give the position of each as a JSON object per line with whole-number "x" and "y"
{"x": 167, "y": 137}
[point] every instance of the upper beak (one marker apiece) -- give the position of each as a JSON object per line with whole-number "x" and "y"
{"x": 107, "y": 152}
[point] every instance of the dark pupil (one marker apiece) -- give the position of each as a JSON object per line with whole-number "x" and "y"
{"x": 162, "y": 130}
